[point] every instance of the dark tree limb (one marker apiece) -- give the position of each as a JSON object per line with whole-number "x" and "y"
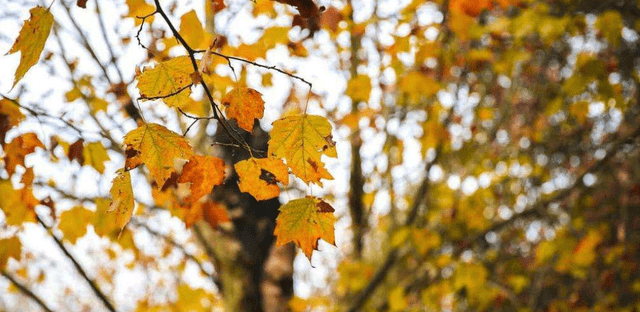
{"x": 26, "y": 291}
{"x": 94, "y": 286}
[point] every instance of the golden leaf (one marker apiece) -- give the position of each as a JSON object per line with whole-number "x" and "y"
{"x": 122, "y": 202}
{"x": 259, "y": 177}
{"x": 10, "y": 116}
{"x": 140, "y": 8}
{"x": 95, "y": 155}
{"x": 244, "y": 105}
{"x": 18, "y": 149}
{"x": 302, "y": 140}
{"x": 304, "y": 221}
{"x": 73, "y": 223}
{"x": 157, "y": 147}
{"x": 169, "y": 81}
{"x": 31, "y": 40}
{"x": 9, "y": 248}
{"x": 359, "y": 88}
{"x": 203, "y": 172}
{"x": 17, "y": 205}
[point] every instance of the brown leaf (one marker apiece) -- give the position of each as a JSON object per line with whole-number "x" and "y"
{"x": 82, "y": 3}
{"x": 75, "y": 151}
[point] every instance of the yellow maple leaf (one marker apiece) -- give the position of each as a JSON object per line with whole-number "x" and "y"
{"x": 192, "y": 32}
{"x": 359, "y": 88}
{"x": 17, "y": 205}
{"x": 10, "y": 116}
{"x": 169, "y": 81}
{"x": 104, "y": 222}
{"x": 259, "y": 177}
{"x": 417, "y": 86}
{"x": 203, "y": 172}
{"x": 302, "y": 140}
{"x": 95, "y": 155}
{"x": 304, "y": 221}
{"x": 73, "y": 223}
{"x": 122, "y": 202}
{"x": 9, "y": 248}
{"x": 140, "y": 8}
{"x": 157, "y": 147}
{"x": 244, "y": 105}
{"x": 30, "y": 41}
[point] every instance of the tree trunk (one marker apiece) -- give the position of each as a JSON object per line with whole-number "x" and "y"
{"x": 255, "y": 275}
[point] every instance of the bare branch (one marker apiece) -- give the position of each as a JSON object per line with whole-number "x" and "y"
{"x": 178, "y": 246}
{"x": 26, "y": 291}
{"x": 94, "y": 286}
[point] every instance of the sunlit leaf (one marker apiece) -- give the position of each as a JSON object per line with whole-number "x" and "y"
{"x": 18, "y": 149}
{"x": 244, "y": 105}
{"x": 17, "y": 205}
{"x": 304, "y": 221}
{"x": 203, "y": 172}
{"x": 10, "y": 116}
{"x": 9, "y": 248}
{"x": 260, "y": 177}
{"x": 73, "y": 223}
{"x": 169, "y": 81}
{"x": 31, "y": 40}
{"x": 157, "y": 147}
{"x": 122, "y": 200}
{"x": 359, "y": 88}
{"x": 302, "y": 140}
{"x": 95, "y": 155}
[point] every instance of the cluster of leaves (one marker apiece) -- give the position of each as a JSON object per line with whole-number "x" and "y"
{"x": 528, "y": 137}
{"x": 299, "y": 139}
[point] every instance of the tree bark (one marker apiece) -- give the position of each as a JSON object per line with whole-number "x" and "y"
{"x": 255, "y": 275}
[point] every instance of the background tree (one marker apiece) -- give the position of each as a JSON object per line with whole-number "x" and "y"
{"x": 485, "y": 155}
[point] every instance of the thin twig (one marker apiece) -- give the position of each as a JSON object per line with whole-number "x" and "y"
{"x": 94, "y": 286}
{"x": 217, "y": 113}
{"x": 268, "y": 67}
{"x": 178, "y": 246}
{"x": 41, "y": 113}
{"x": 26, "y": 291}
{"x": 143, "y": 18}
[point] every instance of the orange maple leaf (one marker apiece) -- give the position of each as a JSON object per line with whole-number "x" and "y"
{"x": 244, "y": 105}
{"x": 203, "y": 172}
{"x": 259, "y": 177}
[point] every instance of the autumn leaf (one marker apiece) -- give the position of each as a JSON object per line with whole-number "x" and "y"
{"x": 10, "y": 116}
{"x": 9, "y": 248}
{"x": 192, "y": 31}
{"x": 76, "y": 151}
{"x": 304, "y": 221}
{"x": 259, "y": 177}
{"x": 302, "y": 140}
{"x": 359, "y": 88}
{"x": 17, "y": 205}
{"x": 307, "y": 8}
{"x": 139, "y": 8}
{"x": 169, "y": 81}
{"x": 18, "y": 149}
{"x": 244, "y": 105}
{"x": 203, "y": 172}
{"x": 104, "y": 222}
{"x": 122, "y": 202}
{"x": 157, "y": 147}
{"x": 31, "y": 39}
{"x": 73, "y": 223}
{"x": 95, "y": 155}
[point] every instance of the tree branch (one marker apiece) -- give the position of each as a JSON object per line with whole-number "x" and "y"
{"x": 178, "y": 246}
{"x": 26, "y": 291}
{"x": 94, "y": 286}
